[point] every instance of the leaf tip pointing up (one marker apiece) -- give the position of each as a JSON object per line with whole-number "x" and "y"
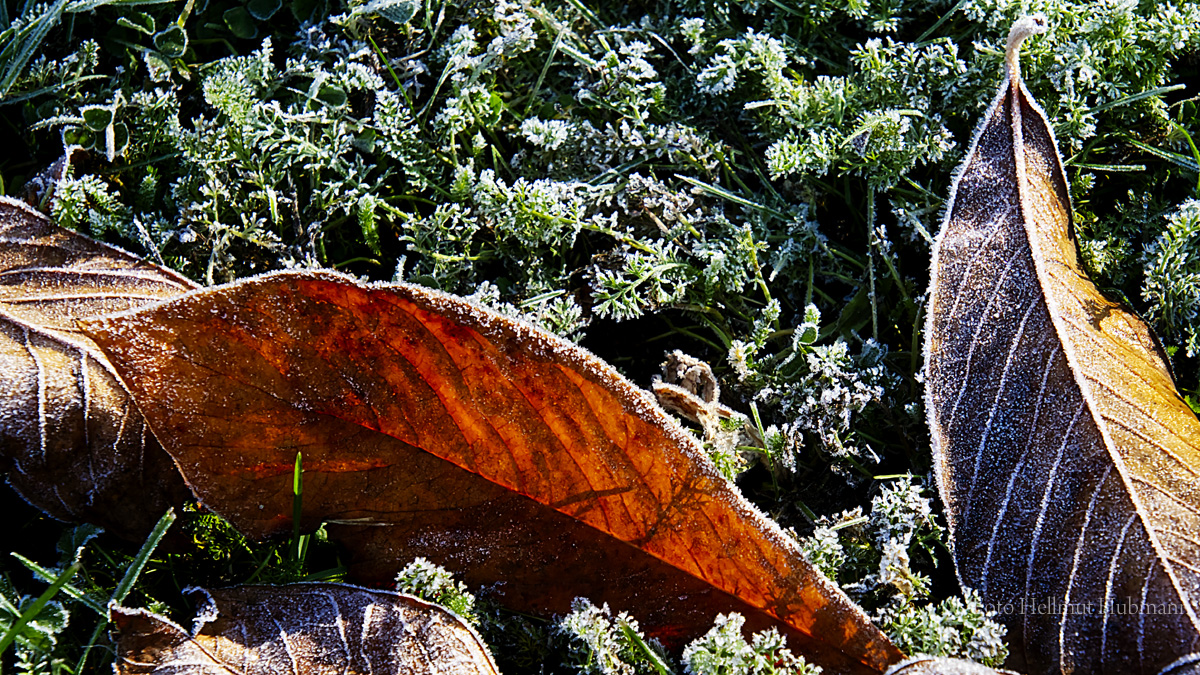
{"x": 1031, "y": 24}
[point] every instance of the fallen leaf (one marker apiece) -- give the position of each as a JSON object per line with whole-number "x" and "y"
{"x": 927, "y": 665}
{"x": 1068, "y": 463}
{"x": 71, "y": 440}
{"x": 689, "y": 389}
{"x": 301, "y": 628}
{"x": 433, "y": 427}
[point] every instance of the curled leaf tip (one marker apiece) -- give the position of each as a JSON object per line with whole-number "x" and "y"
{"x": 1031, "y": 24}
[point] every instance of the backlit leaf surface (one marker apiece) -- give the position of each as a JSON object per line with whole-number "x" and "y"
{"x": 1069, "y": 465}
{"x": 301, "y": 628}
{"x": 430, "y": 426}
{"x": 71, "y": 440}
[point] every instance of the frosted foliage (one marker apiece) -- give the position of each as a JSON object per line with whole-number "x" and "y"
{"x": 38, "y": 634}
{"x": 304, "y": 628}
{"x": 1066, "y": 459}
{"x": 899, "y": 511}
{"x": 751, "y": 53}
{"x": 837, "y": 386}
{"x": 823, "y": 548}
{"x": 1172, "y": 283}
{"x": 819, "y": 399}
{"x": 953, "y": 627}
{"x": 723, "y": 651}
{"x": 625, "y": 77}
{"x": 901, "y": 522}
{"x": 597, "y": 640}
{"x": 434, "y": 583}
{"x": 581, "y": 148}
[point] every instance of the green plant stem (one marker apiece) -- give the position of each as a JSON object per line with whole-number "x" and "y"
{"x": 299, "y": 542}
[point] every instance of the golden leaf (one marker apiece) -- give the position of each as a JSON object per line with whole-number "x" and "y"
{"x": 1069, "y": 465}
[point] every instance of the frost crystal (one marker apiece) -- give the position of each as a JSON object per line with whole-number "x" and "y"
{"x": 723, "y": 651}
{"x": 600, "y": 644}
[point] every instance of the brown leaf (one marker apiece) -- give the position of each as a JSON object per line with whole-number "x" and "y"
{"x": 432, "y": 427}
{"x": 689, "y": 389}
{"x": 301, "y": 628}
{"x": 927, "y": 665}
{"x": 1068, "y": 463}
{"x": 71, "y": 440}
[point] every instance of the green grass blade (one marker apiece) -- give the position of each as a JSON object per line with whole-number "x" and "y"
{"x": 1195, "y": 151}
{"x": 1137, "y": 97}
{"x": 89, "y": 5}
{"x": 649, "y": 653}
{"x": 1119, "y": 168}
{"x": 131, "y": 576}
{"x": 139, "y": 562}
{"x": 35, "y": 608}
{"x": 30, "y": 45}
{"x": 299, "y": 543}
{"x": 944, "y": 19}
{"x": 48, "y": 575}
{"x": 721, "y": 192}
{"x": 49, "y": 90}
{"x": 537, "y": 86}
{"x": 583, "y": 9}
{"x": 1182, "y": 161}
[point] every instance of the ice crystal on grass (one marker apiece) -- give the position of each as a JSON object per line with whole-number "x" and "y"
{"x": 751, "y": 55}
{"x": 602, "y": 644}
{"x": 900, "y": 527}
{"x": 640, "y": 280}
{"x": 64, "y": 73}
{"x": 823, "y": 547}
{"x": 34, "y": 642}
{"x": 624, "y": 80}
{"x": 953, "y": 627}
{"x": 1172, "y": 285}
{"x": 88, "y": 203}
{"x": 874, "y": 557}
{"x": 723, "y": 651}
{"x": 818, "y": 389}
{"x": 837, "y": 386}
{"x": 435, "y": 584}
{"x": 901, "y": 511}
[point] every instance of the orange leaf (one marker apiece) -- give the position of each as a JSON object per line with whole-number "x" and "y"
{"x": 430, "y": 426}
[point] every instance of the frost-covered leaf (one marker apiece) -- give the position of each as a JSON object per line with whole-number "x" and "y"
{"x": 398, "y": 12}
{"x": 96, "y": 117}
{"x": 926, "y": 665}
{"x": 71, "y": 441}
{"x": 433, "y": 427}
{"x": 1067, "y": 460}
{"x": 301, "y": 628}
{"x": 173, "y": 40}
